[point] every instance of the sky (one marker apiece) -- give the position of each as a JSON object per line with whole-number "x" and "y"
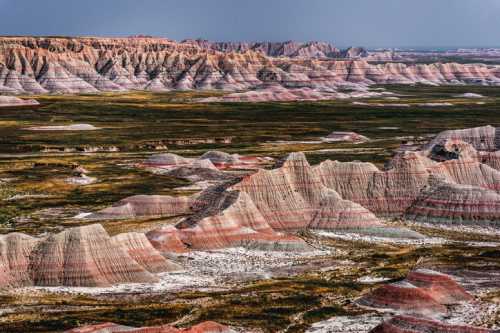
{"x": 369, "y": 23}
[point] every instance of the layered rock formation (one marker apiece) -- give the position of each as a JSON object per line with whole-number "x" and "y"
{"x": 256, "y": 211}
{"x": 210, "y": 160}
{"x": 11, "y": 101}
{"x": 205, "y": 327}
{"x": 423, "y": 292}
{"x": 88, "y": 65}
{"x": 448, "y": 181}
{"x": 82, "y": 256}
{"x": 406, "y": 324}
{"x": 450, "y": 203}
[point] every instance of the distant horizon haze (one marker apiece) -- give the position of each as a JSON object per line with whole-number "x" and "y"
{"x": 423, "y": 24}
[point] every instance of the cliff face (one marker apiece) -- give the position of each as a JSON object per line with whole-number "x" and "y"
{"x": 87, "y": 65}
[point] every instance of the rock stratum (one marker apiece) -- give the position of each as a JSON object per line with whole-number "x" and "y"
{"x": 39, "y": 65}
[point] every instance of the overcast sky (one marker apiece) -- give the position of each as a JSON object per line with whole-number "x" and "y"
{"x": 371, "y": 23}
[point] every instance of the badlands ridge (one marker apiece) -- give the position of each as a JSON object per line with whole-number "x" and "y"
{"x": 276, "y": 71}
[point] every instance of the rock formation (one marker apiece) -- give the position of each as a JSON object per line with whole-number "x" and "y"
{"x": 205, "y": 327}
{"x": 289, "y": 49}
{"x": 258, "y": 211}
{"x": 87, "y": 65}
{"x": 11, "y": 101}
{"x": 403, "y": 297}
{"x": 81, "y": 256}
{"x": 450, "y": 203}
{"x": 485, "y": 138}
{"x": 406, "y": 324}
{"x": 423, "y": 292}
{"x": 146, "y": 206}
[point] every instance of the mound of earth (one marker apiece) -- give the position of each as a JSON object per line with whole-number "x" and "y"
{"x": 345, "y": 137}
{"x": 423, "y": 292}
{"x": 82, "y": 256}
{"x": 205, "y": 327}
{"x": 146, "y": 206}
{"x": 406, "y": 324}
{"x": 9, "y": 101}
{"x": 73, "y": 127}
{"x": 213, "y": 159}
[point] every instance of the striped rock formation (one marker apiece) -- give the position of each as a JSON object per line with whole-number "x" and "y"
{"x": 82, "y": 256}
{"x": 260, "y": 209}
{"x": 443, "y": 288}
{"x": 485, "y": 138}
{"x": 450, "y": 203}
{"x": 210, "y": 160}
{"x": 406, "y": 324}
{"x": 403, "y": 297}
{"x": 423, "y": 292}
{"x": 385, "y": 193}
{"x": 205, "y": 327}
{"x": 86, "y": 65}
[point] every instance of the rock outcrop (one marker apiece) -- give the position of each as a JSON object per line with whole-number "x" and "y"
{"x": 423, "y": 292}
{"x": 82, "y": 256}
{"x": 40, "y": 65}
{"x": 205, "y": 327}
{"x": 406, "y": 324}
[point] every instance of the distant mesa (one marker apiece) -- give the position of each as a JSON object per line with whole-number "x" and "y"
{"x": 11, "y": 101}
{"x": 79, "y": 257}
{"x": 407, "y": 324}
{"x": 205, "y": 327}
{"x": 73, "y": 127}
